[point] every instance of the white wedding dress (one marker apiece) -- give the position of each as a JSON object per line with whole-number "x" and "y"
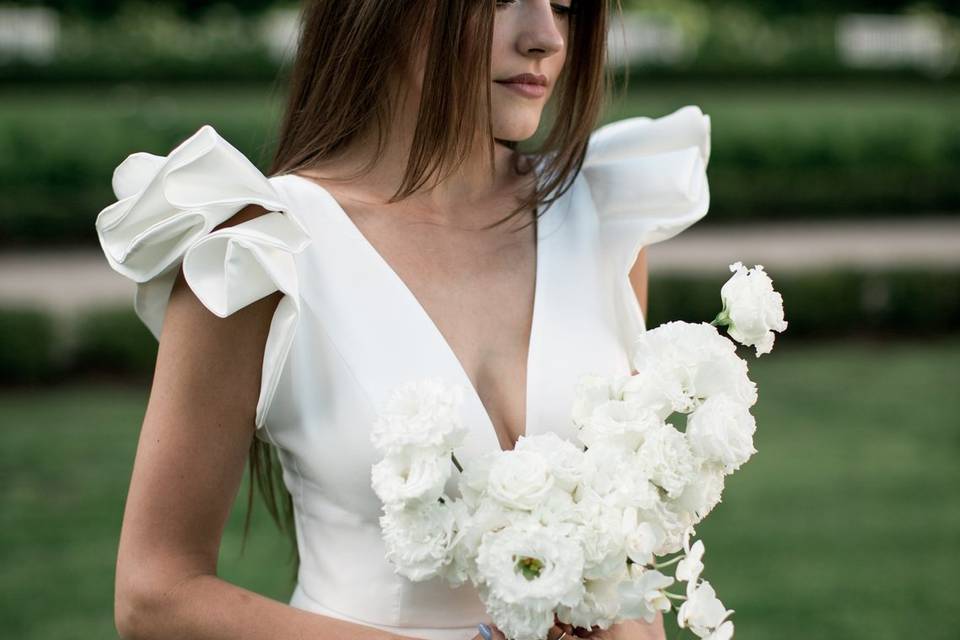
{"x": 348, "y": 330}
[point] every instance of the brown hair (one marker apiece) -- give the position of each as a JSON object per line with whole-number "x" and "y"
{"x": 340, "y": 84}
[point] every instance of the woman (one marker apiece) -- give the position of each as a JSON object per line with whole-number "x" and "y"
{"x": 288, "y": 307}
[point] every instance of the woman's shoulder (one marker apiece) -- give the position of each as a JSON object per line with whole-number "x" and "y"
{"x": 206, "y": 208}
{"x": 648, "y": 175}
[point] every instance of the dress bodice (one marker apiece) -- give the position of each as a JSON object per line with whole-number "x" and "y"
{"x": 348, "y": 330}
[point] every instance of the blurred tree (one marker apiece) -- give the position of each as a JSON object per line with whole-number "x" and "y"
{"x": 108, "y": 8}
{"x": 776, "y": 7}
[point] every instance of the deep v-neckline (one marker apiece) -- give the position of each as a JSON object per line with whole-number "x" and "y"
{"x": 439, "y": 338}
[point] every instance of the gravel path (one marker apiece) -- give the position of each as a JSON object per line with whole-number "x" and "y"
{"x": 67, "y": 281}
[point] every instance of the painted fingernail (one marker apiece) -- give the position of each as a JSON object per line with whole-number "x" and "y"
{"x": 485, "y": 631}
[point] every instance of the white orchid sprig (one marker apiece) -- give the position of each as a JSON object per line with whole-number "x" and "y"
{"x": 752, "y": 310}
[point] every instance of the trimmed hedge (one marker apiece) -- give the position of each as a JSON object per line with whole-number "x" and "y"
{"x": 837, "y": 303}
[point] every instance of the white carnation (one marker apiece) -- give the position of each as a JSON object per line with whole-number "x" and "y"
{"x": 616, "y": 477}
{"x": 418, "y": 538}
{"x": 564, "y": 459}
{"x": 752, "y": 308}
{"x": 591, "y": 390}
{"x": 618, "y": 422}
{"x": 721, "y": 430}
{"x": 421, "y": 413}
{"x": 472, "y": 482}
{"x": 641, "y": 595}
{"x": 531, "y": 565}
{"x": 520, "y": 479}
{"x": 417, "y": 475}
{"x": 668, "y": 459}
{"x": 598, "y": 607}
{"x": 519, "y": 621}
{"x": 649, "y": 388}
{"x": 601, "y": 537}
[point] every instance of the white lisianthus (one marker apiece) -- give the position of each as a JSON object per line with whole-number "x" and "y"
{"x": 472, "y": 482}
{"x": 703, "y": 493}
{"x": 752, "y": 310}
{"x": 487, "y": 515}
{"x": 649, "y": 388}
{"x": 421, "y": 413}
{"x": 702, "y": 611}
{"x": 601, "y": 536}
{"x": 641, "y": 595}
{"x": 520, "y": 479}
{"x": 721, "y": 430}
{"x": 694, "y": 362}
{"x": 690, "y": 568}
{"x": 416, "y": 475}
{"x": 612, "y": 475}
{"x": 418, "y": 538}
{"x": 668, "y": 459}
{"x": 564, "y": 459}
{"x": 618, "y": 422}
{"x": 531, "y": 565}
{"x": 591, "y": 390}
{"x": 598, "y": 607}
{"x": 519, "y": 621}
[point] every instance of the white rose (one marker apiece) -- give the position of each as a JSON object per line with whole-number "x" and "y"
{"x": 618, "y": 422}
{"x": 417, "y": 539}
{"x": 704, "y": 493}
{"x": 721, "y": 430}
{"x": 598, "y": 607}
{"x": 565, "y": 460}
{"x": 519, "y": 621}
{"x": 641, "y": 595}
{"x": 531, "y": 565}
{"x": 421, "y": 413}
{"x": 520, "y": 479}
{"x": 417, "y": 475}
{"x": 701, "y": 611}
{"x": 752, "y": 310}
{"x": 591, "y": 390}
{"x": 668, "y": 459}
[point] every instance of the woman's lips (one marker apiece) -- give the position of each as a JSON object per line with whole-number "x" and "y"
{"x": 525, "y": 89}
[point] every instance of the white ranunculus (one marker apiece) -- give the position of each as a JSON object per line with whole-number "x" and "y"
{"x": 418, "y": 538}
{"x": 704, "y": 493}
{"x": 618, "y": 422}
{"x": 613, "y": 475}
{"x": 694, "y": 362}
{"x": 565, "y": 460}
{"x": 417, "y": 475}
{"x": 531, "y": 565}
{"x": 721, "y": 430}
{"x": 520, "y": 479}
{"x": 519, "y": 621}
{"x": 591, "y": 390}
{"x": 422, "y": 413}
{"x": 598, "y": 607}
{"x": 668, "y": 460}
{"x": 640, "y": 538}
{"x": 641, "y": 594}
{"x": 752, "y": 309}
{"x": 702, "y": 611}
{"x": 690, "y": 568}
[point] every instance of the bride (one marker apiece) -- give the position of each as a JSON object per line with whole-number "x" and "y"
{"x": 399, "y": 234}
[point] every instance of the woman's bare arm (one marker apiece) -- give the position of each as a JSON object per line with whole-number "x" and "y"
{"x": 640, "y": 281}
{"x": 188, "y": 469}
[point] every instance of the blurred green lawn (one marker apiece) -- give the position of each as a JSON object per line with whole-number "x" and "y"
{"x": 844, "y": 525}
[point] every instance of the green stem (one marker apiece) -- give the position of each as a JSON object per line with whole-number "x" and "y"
{"x": 675, "y": 596}
{"x": 456, "y": 462}
{"x": 668, "y": 562}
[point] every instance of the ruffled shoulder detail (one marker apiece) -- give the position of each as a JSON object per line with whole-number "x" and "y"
{"x": 648, "y": 181}
{"x": 166, "y": 210}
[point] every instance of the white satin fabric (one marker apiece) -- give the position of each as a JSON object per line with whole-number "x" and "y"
{"x": 348, "y": 330}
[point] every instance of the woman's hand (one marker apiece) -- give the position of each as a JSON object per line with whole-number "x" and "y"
{"x": 495, "y": 634}
{"x": 626, "y": 630}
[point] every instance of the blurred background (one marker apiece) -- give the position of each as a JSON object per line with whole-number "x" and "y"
{"x": 835, "y": 164}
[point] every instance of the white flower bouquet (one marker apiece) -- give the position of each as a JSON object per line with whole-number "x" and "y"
{"x": 575, "y": 531}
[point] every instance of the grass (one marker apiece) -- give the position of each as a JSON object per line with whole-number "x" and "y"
{"x": 844, "y": 525}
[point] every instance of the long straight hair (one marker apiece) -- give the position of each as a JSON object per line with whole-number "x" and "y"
{"x": 343, "y": 81}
